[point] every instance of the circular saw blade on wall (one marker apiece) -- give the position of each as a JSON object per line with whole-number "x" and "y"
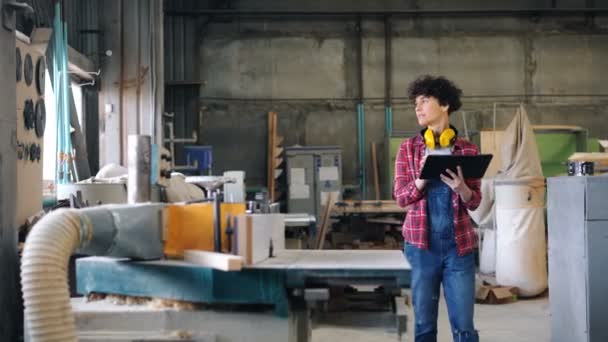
{"x": 40, "y": 71}
{"x": 28, "y": 70}
{"x": 29, "y": 116}
{"x": 40, "y": 120}
{"x": 18, "y": 63}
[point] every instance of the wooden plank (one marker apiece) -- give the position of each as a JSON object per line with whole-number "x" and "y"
{"x": 557, "y": 128}
{"x": 218, "y": 261}
{"x": 358, "y": 202}
{"x": 385, "y": 220}
{"x": 270, "y": 180}
{"x": 350, "y": 207}
{"x": 277, "y": 162}
{"x": 490, "y": 142}
{"x": 326, "y": 220}
{"x": 375, "y": 167}
{"x": 278, "y": 141}
{"x": 255, "y": 235}
{"x": 248, "y": 239}
{"x": 278, "y": 151}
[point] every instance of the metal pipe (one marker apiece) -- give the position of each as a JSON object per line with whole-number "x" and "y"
{"x": 171, "y": 143}
{"x": 361, "y": 146}
{"x": 388, "y": 69}
{"x": 388, "y": 60}
{"x": 359, "y": 29}
{"x": 172, "y": 140}
{"x": 217, "y": 221}
{"x": 406, "y": 13}
{"x": 388, "y": 119}
{"x": 123, "y": 118}
{"x": 360, "y": 110}
{"x": 138, "y": 189}
{"x": 366, "y": 99}
{"x": 194, "y": 139}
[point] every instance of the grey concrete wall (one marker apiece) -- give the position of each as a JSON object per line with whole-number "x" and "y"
{"x": 306, "y": 70}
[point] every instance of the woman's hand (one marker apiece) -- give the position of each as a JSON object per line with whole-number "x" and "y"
{"x": 421, "y": 183}
{"x": 456, "y": 182}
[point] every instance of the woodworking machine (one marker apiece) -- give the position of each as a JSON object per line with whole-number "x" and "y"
{"x": 269, "y": 299}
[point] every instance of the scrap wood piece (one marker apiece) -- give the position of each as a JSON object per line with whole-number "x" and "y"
{"x": 218, "y": 261}
{"x": 325, "y": 220}
{"x": 557, "y": 128}
{"x": 368, "y": 206}
{"x": 375, "y": 168}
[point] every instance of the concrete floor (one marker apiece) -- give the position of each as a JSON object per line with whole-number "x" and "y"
{"x": 523, "y": 321}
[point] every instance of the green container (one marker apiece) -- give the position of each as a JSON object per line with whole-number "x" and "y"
{"x": 393, "y": 147}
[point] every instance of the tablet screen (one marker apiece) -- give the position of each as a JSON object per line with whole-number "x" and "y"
{"x": 472, "y": 166}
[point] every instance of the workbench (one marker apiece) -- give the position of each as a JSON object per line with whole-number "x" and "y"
{"x": 361, "y": 224}
{"x": 287, "y": 284}
{"x": 367, "y": 207}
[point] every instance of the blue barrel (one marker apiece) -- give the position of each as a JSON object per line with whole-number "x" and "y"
{"x": 202, "y": 155}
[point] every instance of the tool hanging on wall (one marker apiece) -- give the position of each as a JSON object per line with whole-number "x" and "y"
{"x": 18, "y": 63}
{"x": 40, "y": 71}
{"x": 28, "y": 70}
{"x": 31, "y": 152}
{"x": 28, "y": 114}
{"x": 26, "y": 152}
{"x": 20, "y": 150}
{"x": 40, "y": 118}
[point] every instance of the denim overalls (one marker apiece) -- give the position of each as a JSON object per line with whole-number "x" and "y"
{"x": 442, "y": 264}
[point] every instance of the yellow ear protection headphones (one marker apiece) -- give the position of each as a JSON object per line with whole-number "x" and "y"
{"x": 446, "y": 138}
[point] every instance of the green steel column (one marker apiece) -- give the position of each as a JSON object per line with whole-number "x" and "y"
{"x": 388, "y": 120}
{"x": 361, "y": 145}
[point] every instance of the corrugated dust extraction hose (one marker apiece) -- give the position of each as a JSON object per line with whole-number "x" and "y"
{"x": 44, "y": 276}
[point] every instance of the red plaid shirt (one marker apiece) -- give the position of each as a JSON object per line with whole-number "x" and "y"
{"x": 415, "y": 227}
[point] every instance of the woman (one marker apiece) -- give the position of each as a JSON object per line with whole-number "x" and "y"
{"x": 438, "y": 233}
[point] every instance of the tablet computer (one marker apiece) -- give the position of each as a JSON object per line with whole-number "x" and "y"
{"x": 474, "y": 166}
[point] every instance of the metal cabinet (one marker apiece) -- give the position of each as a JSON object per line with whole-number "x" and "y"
{"x": 577, "y": 217}
{"x": 312, "y": 174}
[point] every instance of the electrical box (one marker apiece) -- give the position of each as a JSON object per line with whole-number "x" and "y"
{"x": 312, "y": 174}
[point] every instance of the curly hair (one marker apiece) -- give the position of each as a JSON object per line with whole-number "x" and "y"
{"x": 444, "y": 90}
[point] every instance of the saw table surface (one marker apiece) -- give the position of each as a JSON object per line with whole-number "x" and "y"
{"x": 264, "y": 283}
{"x": 355, "y": 260}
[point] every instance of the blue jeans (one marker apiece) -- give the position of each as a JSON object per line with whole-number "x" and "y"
{"x": 442, "y": 264}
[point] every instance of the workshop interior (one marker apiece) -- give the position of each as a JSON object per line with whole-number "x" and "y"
{"x": 223, "y": 170}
